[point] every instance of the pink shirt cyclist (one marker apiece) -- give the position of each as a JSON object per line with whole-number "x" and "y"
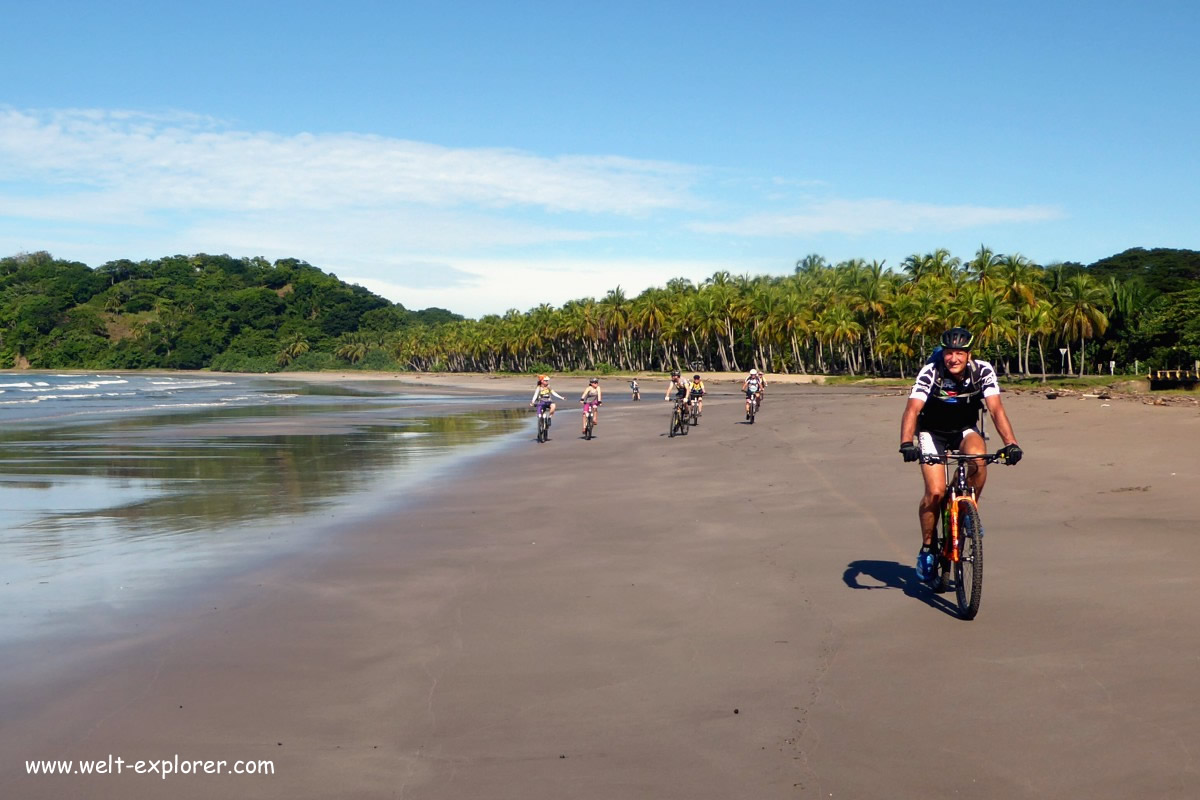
{"x": 591, "y": 398}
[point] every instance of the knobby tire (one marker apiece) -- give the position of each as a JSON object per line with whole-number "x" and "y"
{"x": 968, "y": 571}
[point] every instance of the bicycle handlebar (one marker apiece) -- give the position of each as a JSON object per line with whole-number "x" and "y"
{"x": 989, "y": 458}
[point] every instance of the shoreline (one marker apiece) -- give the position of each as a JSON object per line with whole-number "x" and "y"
{"x": 644, "y": 616}
{"x": 98, "y": 556}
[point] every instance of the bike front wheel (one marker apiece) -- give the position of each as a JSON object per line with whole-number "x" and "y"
{"x": 968, "y": 570}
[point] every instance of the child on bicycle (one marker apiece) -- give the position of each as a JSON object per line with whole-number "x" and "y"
{"x": 943, "y": 414}
{"x": 696, "y": 392}
{"x": 591, "y": 399}
{"x": 543, "y": 396}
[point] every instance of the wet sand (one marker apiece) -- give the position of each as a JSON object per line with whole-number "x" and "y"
{"x": 729, "y": 614}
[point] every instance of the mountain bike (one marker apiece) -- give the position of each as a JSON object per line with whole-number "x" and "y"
{"x": 958, "y": 540}
{"x": 679, "y": 419}
{"x": 753, "y": 408}
{"x": 590, "y": 409}
{"x": 543, "y": 414}
{"x": 693, "y": 412}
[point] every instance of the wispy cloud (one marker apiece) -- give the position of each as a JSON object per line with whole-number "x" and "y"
{"x": 472, "y": 229}
{"x": 118, "y": 164}
{"x": 855, "y": 217}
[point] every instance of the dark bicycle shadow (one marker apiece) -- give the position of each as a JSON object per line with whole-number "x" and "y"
{"x": 890, "y": 575}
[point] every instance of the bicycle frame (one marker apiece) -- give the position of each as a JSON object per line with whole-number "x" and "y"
{"x": 958, "y": 489}
{"x": 956, "y": 492}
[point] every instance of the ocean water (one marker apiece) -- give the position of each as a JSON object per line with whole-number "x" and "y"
{"x": 117, "y": 487}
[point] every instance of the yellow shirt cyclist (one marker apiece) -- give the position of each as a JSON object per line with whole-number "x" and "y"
{"x": 696, "y": 392}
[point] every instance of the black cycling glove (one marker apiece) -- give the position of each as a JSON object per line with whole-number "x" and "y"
{"x": 1012, "y": 454}
{"x": 910, "y": 452}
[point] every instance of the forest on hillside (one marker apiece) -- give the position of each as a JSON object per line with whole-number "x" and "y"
{"x": 854, "y": 317}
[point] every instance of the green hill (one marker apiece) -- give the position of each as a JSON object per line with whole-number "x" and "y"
{"x": 186, "y": 312}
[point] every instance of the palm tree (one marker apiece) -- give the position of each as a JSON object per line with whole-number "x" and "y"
{"x": 294, "y": 346}
{"x": 1020, "y": 284}
{"x": 1037, "y": 321}
{"x": 1079, "y": 312}
{"x": 985, "y": 266}
{"x": 811, "y": 264}
{"x": 614, "y": 311}
{"x": 649, "y": 314}
{"x": 894, "y": 343}
{"x": 991, "y": 318}
{"x": 839, "y": 328}
{"x": 352, "y": 346}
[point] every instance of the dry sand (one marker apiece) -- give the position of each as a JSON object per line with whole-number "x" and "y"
{"x": 729, "y": 614}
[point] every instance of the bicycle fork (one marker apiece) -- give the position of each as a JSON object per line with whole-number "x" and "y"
{"x": 950, "y": 522}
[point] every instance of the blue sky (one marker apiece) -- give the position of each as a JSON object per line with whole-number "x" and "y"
{"x": 486, "y": 156}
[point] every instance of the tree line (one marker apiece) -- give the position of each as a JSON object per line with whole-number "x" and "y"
{"x": 853, "y": 317}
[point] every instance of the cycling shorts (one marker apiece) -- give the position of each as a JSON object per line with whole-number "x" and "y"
{"x": 936, "y": 443}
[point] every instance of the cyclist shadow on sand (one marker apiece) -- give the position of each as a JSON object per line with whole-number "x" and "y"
{"x": 890, "y": 575}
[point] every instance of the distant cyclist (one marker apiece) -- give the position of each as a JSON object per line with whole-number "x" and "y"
{"x": 591, "y": 399}
{"x": 943, "y": 413}
{"x": 752, "y": 386}
{"x": 696, "y": 392}
{"x": 635, "y": 389}
{"x": 543, "y": 396}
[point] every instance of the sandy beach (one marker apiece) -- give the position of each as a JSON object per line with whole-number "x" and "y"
{"x": 730, "y": 614}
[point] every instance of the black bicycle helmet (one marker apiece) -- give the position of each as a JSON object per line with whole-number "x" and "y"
{"x": 695, "y": 377}
{"x": 674, "y": 373}
{"x": 957, "y": 339}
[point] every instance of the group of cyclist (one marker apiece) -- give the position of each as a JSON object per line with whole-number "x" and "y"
{"x": 943, "y": 413}
{"x": 543, "y": 400}
{"x": 753, "y": 385}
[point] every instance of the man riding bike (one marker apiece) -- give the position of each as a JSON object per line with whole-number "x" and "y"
{"x": 678, "y": 386}
{"x": 543, "y": 396}
{"x": 752, "y": 386}
{"x": 591, "y": 399}
{"x": 943, "y": 413}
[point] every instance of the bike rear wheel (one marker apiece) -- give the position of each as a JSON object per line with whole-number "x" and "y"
{"x": 968, "y": 570}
